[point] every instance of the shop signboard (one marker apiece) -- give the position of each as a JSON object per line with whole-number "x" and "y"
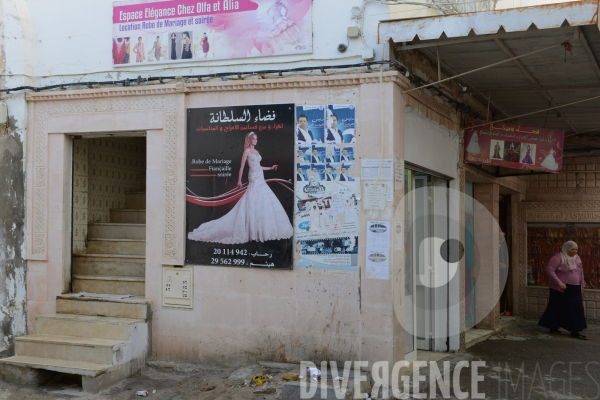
{"x": 240, "y": 186}
{"x": 172, "y": 31}
{"x": 515, "y": 146}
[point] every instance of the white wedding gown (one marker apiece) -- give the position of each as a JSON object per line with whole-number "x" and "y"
{"x": 257, "y": 216}
{"x": 473, "y": 147}
{"x": 549, "y": 162}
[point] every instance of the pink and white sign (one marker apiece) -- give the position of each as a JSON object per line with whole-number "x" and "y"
{"x": 149, "y": 32}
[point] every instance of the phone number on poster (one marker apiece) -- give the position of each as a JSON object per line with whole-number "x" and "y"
{"x": 228, "y": 261}
{"x": 230, "y": 252}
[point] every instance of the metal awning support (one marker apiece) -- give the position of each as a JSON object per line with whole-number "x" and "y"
{"x": 503, "y": 55}
{"x": 532, "y": 79}
{"x": 482, "y": 68}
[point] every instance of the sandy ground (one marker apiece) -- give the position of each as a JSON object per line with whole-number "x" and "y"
{"x": 163, "y": 380}
{"x": 523, "y": 362}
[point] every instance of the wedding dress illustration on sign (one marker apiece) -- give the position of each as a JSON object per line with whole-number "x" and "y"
{"x": 257, "y": 216}
{"x": 282, "y": 26}
{"x": 549, "y": 162}
{"x": 473, "y": 147}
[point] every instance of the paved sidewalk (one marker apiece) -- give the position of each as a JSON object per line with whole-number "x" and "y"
{"x": 551, "y": 366}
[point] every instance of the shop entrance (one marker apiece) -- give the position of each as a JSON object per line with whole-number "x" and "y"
{"x": 426, "y": 221}
{"x": 109, "y": 215}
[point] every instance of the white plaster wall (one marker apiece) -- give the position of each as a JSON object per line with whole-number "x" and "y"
{"x": 430, "y": 145}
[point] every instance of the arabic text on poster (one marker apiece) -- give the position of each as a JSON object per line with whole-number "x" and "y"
{"x": 239, "y": 182}
{"x": 376, "y": 169}
{"x": 515, "y": 146}
{"x": 375, "y": 195}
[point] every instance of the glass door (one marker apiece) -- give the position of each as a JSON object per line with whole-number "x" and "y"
{"x": 426, "y": 224}
{"x": 423, "y": 260}
{"x": 410, "y": 315}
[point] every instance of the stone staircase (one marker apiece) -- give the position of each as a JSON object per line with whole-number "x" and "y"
{"x": 115, "y": 259}
{"x": 103, "y": 340}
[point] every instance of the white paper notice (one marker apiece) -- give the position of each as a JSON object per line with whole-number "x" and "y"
{"x": 399, "y": 173}
{"x": 377, "y": 169}
{"x": 378, "y": 250}
{"x": 399, "y": 237}
{"x": 374, "y": 195}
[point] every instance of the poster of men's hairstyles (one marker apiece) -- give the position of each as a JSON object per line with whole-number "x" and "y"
{"x": 239, "y": 186}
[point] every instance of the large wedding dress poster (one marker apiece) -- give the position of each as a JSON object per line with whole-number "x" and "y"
{"x": 240, "y": 187}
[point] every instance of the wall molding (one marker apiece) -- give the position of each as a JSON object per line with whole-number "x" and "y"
{"x": 170, "y": 105}
{"x": 256, "y": 83}
{"x": 563, "y": 191}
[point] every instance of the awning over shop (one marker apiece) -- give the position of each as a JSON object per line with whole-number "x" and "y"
{"x": 556, "y": 78}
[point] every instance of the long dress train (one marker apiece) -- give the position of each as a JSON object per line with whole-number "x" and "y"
{"x": 257, "y": 216}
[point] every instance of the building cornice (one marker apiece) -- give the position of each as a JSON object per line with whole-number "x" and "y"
{"x": 220, "y": 86}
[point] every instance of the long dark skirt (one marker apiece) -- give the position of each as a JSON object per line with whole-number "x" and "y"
{"x": 565, "y": 310}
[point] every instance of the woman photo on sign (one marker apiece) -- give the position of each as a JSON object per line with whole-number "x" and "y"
{"x": 205, "y": 44}
{"x": 186, "y": 45}
{"x": 257, "y": 216}
{"x": 157, "y": 49}
{"x": 173, "y": 46}
{"x": 138, "y": 49}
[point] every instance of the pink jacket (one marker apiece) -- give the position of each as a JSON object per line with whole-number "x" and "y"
{"x": 559, "y": 272}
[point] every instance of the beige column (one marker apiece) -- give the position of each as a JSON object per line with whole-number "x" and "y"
{"x": 486, "y": 244}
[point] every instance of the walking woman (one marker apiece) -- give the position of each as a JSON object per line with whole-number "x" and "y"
{"x": 565, "y": 306}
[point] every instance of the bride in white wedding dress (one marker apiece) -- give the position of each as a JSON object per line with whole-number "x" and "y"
{"x": 257, "y": 216}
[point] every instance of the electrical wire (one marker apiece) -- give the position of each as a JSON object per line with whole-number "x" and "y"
{"x": 223, "y": 75}
{"x": 460, "y": 106}
{"x": 540, "y": 111}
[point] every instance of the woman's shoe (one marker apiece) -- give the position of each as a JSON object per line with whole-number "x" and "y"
{"x": 579, "y": 336}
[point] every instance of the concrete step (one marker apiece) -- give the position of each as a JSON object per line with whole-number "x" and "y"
{"x": 87, "y": 326}
{"x": 111, "y": 284}
{"x": 53, "y": 364}
{"x": 128, "y": 216}
{"x": 136, "y": 307}
{"x": 135, "y": 200}
{"x": 117, "y": 231}
{"x": 102, "y": 264}
{"x": 131, "y": 247}
{"x": 71, "y": 348}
